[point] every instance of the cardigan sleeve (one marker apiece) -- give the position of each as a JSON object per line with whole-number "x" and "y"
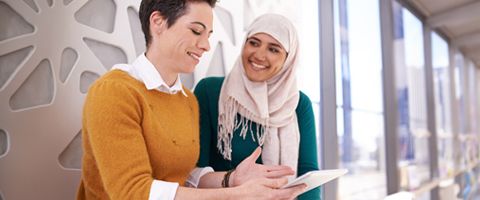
{"x": 307, "y": 160}
{"x": 205, "y": 123}
{"x": 112, "y": 119}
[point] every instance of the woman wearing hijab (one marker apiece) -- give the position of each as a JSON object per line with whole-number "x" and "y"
{"x": 258, "y": 104}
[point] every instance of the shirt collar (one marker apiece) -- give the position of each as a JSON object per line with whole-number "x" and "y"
{"x": 150, "y": 76}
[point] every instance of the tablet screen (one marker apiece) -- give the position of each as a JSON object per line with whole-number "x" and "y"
{"x": 314, "y": 179}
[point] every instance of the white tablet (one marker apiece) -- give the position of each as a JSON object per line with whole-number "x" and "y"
{"x": 314, "y": 179}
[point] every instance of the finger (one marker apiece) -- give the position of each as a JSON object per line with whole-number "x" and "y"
{"x": 279, "y": 173}
{"x": 292, "y": 192}
{"x": 254, "y": 156}
{"x": 270, "y": 168}
{"x": 274, "y": 183}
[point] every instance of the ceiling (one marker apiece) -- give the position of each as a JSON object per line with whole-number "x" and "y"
{"x": 459, "y": 20}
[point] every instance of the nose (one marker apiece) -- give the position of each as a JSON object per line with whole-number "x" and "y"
{"x": 204, "y": 44}
{"x": 260, "y": 54}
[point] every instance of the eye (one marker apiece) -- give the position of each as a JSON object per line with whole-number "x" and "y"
{"x": 253, "y": 43}
{"x": 274, "y": 50}
{"x": 196, "y": 32}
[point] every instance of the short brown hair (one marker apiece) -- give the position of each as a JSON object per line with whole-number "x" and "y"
{"x": 171, "y": 10}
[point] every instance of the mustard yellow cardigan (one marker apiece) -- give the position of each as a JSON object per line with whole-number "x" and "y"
{"x": 132, "y": 135}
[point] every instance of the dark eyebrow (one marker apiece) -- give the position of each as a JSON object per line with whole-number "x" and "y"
{"x": 203, "y": 25}
{"x": 276, "y": 45}
{"x": 273, "y": 44}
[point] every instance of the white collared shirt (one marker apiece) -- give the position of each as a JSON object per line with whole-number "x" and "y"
{"x": 143, "y": 70}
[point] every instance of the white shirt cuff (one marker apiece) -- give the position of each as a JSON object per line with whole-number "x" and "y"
{"x": 197, "y": 173}
{"x": 162, "y": 190}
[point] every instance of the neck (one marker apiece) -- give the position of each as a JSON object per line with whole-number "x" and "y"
{"x": 167, "y": 74}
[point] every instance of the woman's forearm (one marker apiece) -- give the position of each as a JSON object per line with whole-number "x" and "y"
{"x": 211, "y": 180}
{"x": 186, "y": 193}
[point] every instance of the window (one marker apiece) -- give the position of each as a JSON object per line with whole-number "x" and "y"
{"x": 441, "y": 84}
{"x": 359, "y": 99}
{"x": 308, "y": 74}
{"x": 410, "y": 87}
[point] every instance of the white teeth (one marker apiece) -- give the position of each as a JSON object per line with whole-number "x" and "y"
{"x": 257, "y": 66}
{"x": 193, "y": 56}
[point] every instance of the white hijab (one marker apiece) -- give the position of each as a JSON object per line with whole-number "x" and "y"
{"x": 271, "y": 104}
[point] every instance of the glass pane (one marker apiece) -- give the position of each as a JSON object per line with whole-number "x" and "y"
{"x": 410, "y": 84}
{"x": 308, "y": 74}
{"x": 359, "y": 99}
{"x": 441, "y": 84}
{"x": 460, "y": 91}
{"x": 473, "y": 98}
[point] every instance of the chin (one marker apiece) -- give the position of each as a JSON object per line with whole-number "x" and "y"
{"x": 254, "y": 78}
{"x": 189, "y": 69}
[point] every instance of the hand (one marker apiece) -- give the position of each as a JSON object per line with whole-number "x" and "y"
{"x": 248, "y": 170}
{"x": 268, "y": 189}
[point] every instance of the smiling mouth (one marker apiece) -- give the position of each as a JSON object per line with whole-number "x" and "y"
{"x": 194, "y": 56}
{"x": 257, "y": 67}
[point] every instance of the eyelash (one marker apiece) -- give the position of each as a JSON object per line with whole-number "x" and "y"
{"x": 253, "y": 43}
{"x": 273, "y": 50}
{"x": 256, "y": 44}
{"x": 195, "y": 32}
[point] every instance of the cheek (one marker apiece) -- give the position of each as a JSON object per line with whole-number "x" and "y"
{"x": 245, "y": 53}
{"x": 277, "y": 62}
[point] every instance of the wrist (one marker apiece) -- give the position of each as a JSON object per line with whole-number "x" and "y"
{"x": 232, "y": 179}
{"x": 226, "y": 182}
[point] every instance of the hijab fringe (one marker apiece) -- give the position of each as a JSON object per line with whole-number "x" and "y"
{"x": 229, "y": 121}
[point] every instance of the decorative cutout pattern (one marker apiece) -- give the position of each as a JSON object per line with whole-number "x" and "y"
{"x": 3, "y": 143}
{"x": 86, "y": 79}
{"x": 216, "y": 67}
{"x": 32, "y": 5}
{"x": 136, "y": 28}
{"x": 16, "y": 24}
{"x": 37, "y": 89}
{"x": 66, "y": 2}
{"x": 102, "y": 20}
{"x": 10, "y": 62}
{"x": 69, "y": 57}
{"x": 45, "y": 71}
{"x": 227, "y": 21}
{"x": 68, "y": 157}
{"x": 108, "y": 54}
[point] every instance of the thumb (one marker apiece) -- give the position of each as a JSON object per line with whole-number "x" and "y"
{"x": 254, "y": 156}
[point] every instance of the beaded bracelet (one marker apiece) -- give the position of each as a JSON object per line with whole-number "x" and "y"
{"x": 226, "y": 178}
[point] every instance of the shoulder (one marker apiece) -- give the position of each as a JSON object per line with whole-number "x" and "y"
{"x": 303, "y": 100}
{"x": 210, "y": 82}
{"x": 304, "y": 104}
{"x": 115, "y": 83}
{"x": 210, "y": 86}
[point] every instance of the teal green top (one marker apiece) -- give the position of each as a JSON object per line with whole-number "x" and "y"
{"x": 208, "y": 93}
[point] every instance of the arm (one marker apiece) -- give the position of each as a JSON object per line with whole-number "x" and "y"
{"x": 252, "y": 187}
{"x": 307, "y": 160}
{"x": 256, "y": 189}
{"x": 245, "y": 171}
{"x": 113, "y": 133}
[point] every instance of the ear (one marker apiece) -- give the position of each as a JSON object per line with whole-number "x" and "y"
{"x": 157, "y": 23}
